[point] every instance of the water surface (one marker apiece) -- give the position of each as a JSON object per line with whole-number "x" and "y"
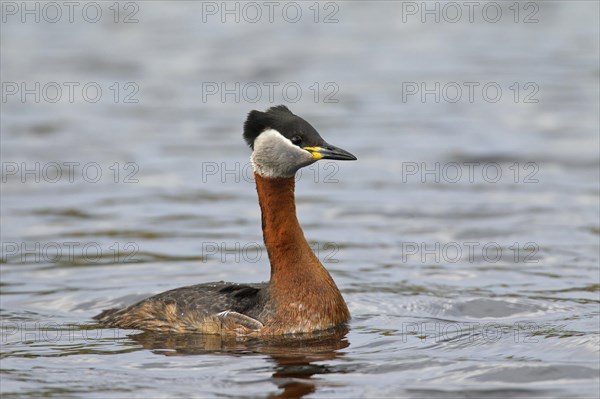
{"x": 461, "y": 282}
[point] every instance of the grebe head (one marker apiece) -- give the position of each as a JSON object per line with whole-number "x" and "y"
{"x": 283, "y": 142}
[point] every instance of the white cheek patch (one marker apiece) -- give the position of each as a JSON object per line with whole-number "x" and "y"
{"x": 275, "y": 156}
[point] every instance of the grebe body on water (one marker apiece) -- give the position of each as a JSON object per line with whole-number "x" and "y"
{"x": 301, "y": 296}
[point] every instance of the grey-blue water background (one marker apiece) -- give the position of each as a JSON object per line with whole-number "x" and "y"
{"x": 447, "y": 179}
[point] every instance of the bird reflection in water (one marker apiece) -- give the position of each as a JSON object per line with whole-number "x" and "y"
{"x": 294, "y": 357}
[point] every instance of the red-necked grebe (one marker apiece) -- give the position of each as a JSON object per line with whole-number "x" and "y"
{"x": 301, "y": 296}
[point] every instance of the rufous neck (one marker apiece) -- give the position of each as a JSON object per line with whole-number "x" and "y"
{"x": 283, "y": 235}
{"x": 299, "y": 285}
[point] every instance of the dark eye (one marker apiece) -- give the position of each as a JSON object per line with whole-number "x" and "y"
{"x": 296, "y": 140}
